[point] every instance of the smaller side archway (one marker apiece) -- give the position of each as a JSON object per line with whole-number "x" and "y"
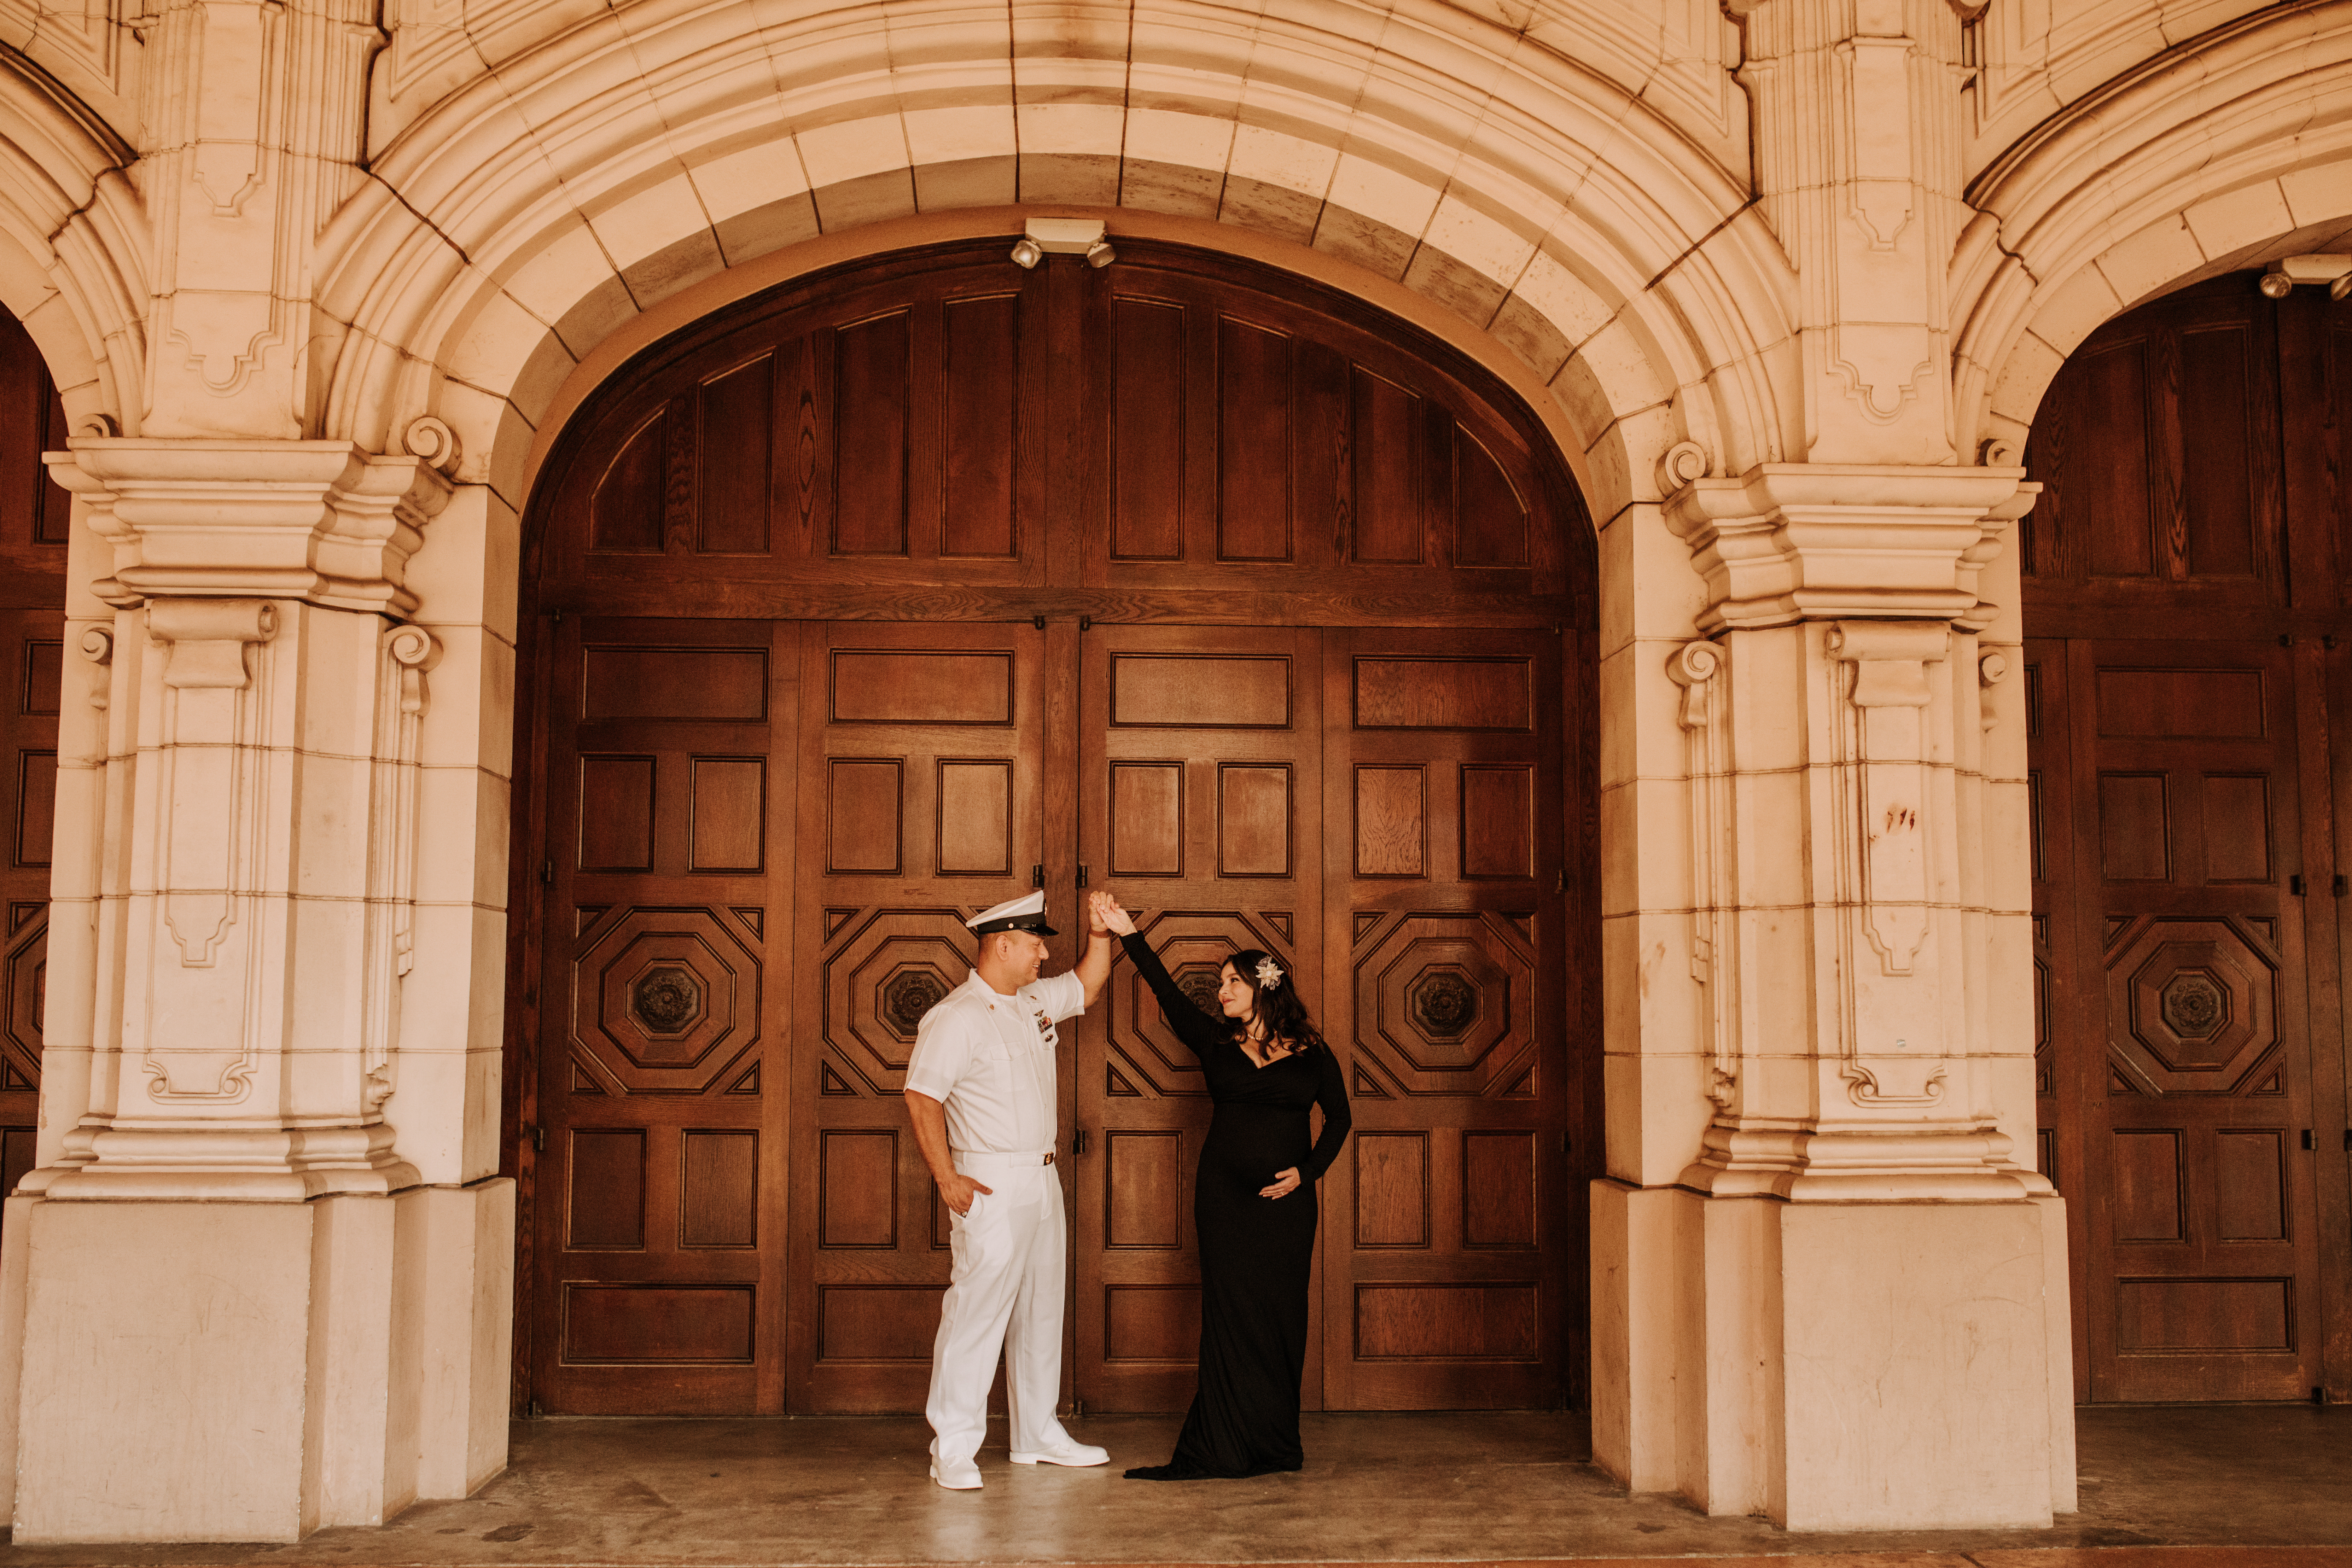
{"x": 2118, "y": 344}
{"x": 73, "y": 247}
{"x": 2229, "y": 151}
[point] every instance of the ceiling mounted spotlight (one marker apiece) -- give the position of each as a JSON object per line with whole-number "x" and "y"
{"x": 2333, "y": 268}
{"x": 1044, "y": 236}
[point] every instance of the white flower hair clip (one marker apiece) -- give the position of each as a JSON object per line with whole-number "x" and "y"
{"x": 1269, "y": 974}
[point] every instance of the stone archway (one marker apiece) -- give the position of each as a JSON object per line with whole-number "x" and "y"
{"x": 73, "y": 235}
{"x": 2124, "y": 196}
{"x": 473, "y": 284}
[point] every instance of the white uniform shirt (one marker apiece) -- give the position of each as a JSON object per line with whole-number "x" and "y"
{"x": 989, "y": 1058}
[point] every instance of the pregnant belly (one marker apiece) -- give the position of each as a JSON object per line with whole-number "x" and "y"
{"x": 1247, "y": 1145}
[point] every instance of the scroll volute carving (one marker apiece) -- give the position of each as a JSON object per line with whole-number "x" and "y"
{"x": 408, "y": 655}
{"x": 1698, "y": 668}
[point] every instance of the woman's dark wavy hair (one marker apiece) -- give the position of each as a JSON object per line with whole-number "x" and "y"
{"x": 1285, "y": 1015}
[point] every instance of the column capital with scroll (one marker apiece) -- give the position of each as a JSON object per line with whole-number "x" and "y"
{"x": 326, "y": 522}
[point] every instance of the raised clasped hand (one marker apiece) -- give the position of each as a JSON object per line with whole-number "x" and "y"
{"x": 958, "y": 1190}
{"x": 1284, "y": 1184}
{"x": 1108, "y": 913}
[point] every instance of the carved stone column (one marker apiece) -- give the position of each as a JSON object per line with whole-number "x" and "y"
{"x": 269, "y": 863}
{"x": 248, "y": 1308}
{"x": 1868, "y": 1288}
{"x": 1835, "y": 1294}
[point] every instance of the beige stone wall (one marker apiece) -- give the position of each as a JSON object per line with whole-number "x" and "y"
{"x": 1786, "y": 279}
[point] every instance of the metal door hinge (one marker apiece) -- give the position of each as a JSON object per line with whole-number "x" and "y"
{"x": 2308, "y": 1142}
{"x": 1037, "y": 621}
{"x": 1077, "y": 1142}
{"x": 1077, "y": 1407}
{"x": 1086, "y": 623}
{"x": 547, "y": 871}
{"x": 1036, "y": 876}
{"x": 1082, "y": 876}
{"x": 2342, "y": 887}
{"x": 2294, "y": 886}
{"x": 539, "y": 1140}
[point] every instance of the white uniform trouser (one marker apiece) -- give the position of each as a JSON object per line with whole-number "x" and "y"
{"x": 1004, "y": 1291}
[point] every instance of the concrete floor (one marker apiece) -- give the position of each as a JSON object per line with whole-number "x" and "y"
{"x": 820, "y": 1490}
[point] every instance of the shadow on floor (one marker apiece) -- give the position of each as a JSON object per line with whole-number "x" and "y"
{"x": 852, "y": 1490}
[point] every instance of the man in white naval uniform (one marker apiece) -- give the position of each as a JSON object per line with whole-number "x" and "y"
{"x": 980, "y": 1089}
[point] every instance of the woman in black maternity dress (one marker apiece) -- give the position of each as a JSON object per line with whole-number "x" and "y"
{"x": 1253, "y": 1206}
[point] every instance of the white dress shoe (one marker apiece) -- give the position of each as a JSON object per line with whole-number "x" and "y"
{"x": 955, "y": 1476}
{"x": 1068, "y": 1451}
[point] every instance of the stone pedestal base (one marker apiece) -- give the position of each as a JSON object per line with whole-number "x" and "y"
{"x": 212, "y": 1370}
{"x": 1835, "y": 1366}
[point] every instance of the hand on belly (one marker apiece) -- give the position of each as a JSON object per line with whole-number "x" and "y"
{"x": 1284, "y": 1184}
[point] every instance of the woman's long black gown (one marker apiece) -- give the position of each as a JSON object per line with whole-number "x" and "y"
{"x": 1256, "y": 1252}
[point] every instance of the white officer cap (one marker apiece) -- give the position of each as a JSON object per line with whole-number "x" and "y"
{"x": 1026, "y": 913}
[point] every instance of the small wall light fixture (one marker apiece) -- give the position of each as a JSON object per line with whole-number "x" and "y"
{"x": 2333, "y": 268}
{"x": 1044, "y": 237}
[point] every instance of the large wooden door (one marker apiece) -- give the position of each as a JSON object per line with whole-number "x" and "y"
{"x": 1202, "y": 808}
{"x": 1038, "y": 576}
{"x": 34, "y": 512}
{"x": 1448, "y": 1242}
{"x": 922, "y": 787}
{"x": 2183, "y": 596}
{"x": 1371, "y": 807}
{"x": 2202, "y": 1264}
{"x": 660, "y": 1212}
